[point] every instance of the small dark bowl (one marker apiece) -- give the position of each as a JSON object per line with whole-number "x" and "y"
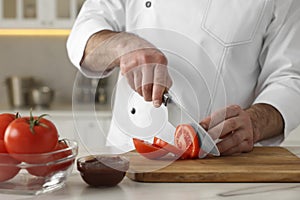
{"x": 102, "y": 170}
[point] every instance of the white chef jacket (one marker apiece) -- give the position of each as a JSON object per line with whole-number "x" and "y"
{"x": 254, "y": 45}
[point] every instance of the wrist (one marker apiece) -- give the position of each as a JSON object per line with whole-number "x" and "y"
{"x": 130, "y": 42}
{"x": 266, "y": 121}
{"x": 254, "y": 117}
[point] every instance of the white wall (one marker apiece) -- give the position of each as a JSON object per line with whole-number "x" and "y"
{"x": 45, "y": 58}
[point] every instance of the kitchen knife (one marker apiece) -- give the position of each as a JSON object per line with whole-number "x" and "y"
{"x": 178, "y": 115}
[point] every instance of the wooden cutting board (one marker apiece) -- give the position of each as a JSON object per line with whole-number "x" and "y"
{"x": 263, "y": 164}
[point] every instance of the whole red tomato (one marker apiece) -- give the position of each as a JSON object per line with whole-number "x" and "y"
{"x": 30, "y": 135}
{"x": 5, "y": 120}
{"x": 8, "y": 168}
{"x": 59, "y": 153}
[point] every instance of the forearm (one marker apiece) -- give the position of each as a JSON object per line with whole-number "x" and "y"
{"x": 267, "y": 122}
{"x": 96, "y": 42}
{"x": 105, "y": 48}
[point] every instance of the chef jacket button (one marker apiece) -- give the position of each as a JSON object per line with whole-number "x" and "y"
{"x": 148, "y": 4}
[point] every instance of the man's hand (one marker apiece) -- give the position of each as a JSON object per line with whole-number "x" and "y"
{"x": 233, "y": 126}
{"x": 238, "y": 130}
{"x": 144, "y": 66}
{"x": 146, "y": 72}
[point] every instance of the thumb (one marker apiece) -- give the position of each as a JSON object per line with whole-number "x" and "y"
{"x": 205, "y": 123}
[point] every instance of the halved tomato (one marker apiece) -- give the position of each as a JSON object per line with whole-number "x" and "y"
{"x": 148, "y": 150}
{"x": 186, "y": 139}
{"x": 169, "y": 147}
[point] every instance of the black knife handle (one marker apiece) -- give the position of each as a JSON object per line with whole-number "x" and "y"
{"x": 166, "y": 98}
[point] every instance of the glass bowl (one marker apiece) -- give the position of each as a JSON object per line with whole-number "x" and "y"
{"x": 37, "y": 173}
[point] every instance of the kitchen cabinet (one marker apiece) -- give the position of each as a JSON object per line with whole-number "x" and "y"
{"x": 89, "y": 130}
{"x": 38, "y": 13}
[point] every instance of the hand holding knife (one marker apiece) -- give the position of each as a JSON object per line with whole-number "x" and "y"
{"x": 178, "y": 115}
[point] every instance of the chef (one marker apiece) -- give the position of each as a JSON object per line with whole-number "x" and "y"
{"x": 252, "y": 47}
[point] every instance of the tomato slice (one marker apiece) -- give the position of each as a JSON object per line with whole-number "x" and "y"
{"x": 168, "y": 147}
{"x": 148, "y": 150}
{"x": 186, "y": 139}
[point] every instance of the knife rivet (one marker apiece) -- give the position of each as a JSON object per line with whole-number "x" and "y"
{"x": 133, "y": 111}
{"x": 148, "y": 4}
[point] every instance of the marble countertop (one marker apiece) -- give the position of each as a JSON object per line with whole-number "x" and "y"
{"x": 76, "y": 189}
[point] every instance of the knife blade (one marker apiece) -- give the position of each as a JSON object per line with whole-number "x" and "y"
{"x": 178, "y": 115}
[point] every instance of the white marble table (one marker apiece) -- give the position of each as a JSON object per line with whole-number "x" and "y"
{"x": 75, "y": 189}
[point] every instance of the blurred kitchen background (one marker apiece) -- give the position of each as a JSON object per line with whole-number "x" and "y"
{"x": 33, "y": 35}
{"x": 35, "y": 70}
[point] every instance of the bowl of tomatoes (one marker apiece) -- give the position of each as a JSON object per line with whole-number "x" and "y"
{"x": 33, "y": 159}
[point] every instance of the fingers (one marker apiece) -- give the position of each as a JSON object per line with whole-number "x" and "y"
{"x": 137, "y": 79}
{"x": 223, "y": 114}
{"x": 222, "y": 122}
{"x": 244, "y": 147}
{"x": 205, "y": 122}
{"x": 225, "y": 127}
{"x": 162, "y": 82}
{"x": 236, "y": 142}
{"x": 146, "y": 72}
{"x": 147, "y": 81}
{"x": 233, "y": 140}
{"x": 233, "y": 126}
{"x": 150, "y": 81}
{"x": 130, "y": 80}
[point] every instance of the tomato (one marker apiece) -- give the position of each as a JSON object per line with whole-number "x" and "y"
{"x": 187, "y": 140}
{"x": 64, "y": 165}
{"x": 148, "y": 150}
{"x": 5, "y": 120}
{"x": 54, "y": 156}
{"x": 30, "y": 135}
{"x": 168, "y": 147}
{"x": 8, "y": 170}
{"x": 2, "y": 147}
{"x": 186, "y": 145}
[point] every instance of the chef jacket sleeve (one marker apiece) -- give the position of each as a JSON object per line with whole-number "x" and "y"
{"x": 279, "y": 81}
{"x": 94, "y": 16}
